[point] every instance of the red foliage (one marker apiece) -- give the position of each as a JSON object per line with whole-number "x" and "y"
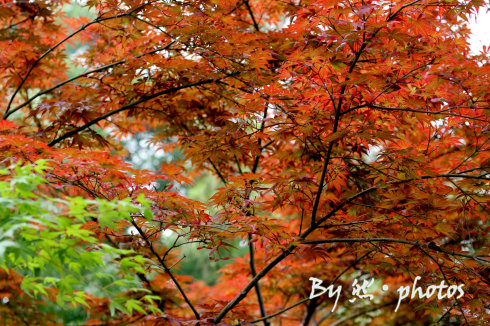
{"x": 350, "y": 138}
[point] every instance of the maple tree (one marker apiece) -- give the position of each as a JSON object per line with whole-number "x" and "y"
{"x": 350, "y": 139}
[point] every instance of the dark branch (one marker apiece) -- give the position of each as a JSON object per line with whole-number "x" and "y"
{"x": 254, "y": 273}
{"x": 162, "y": 263}
{"x": 250, "y": 236}
{"x": 7, "y": 114}
{"x": 401, "y": 8}
{"x": 222, "y": 178}
{"x": 306, "y": 299}
{"x": 338, "y": 110}
{"x": 54, "y": 47}
{"x": 127, "y": 107}
{"x": 412, "y": 243}
{"x": 313, "y": 227}
{"x": 384, "y": 108}
{"x": 256, "y": 26}
{"x": 281, "y": 311}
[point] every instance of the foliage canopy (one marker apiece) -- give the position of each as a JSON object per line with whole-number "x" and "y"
{"x": 350, "y": 140}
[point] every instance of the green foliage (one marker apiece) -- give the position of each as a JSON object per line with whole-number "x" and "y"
{"x": 44, "y": 240}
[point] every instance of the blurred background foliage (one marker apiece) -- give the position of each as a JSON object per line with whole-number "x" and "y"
{"x": 142, "y": 155}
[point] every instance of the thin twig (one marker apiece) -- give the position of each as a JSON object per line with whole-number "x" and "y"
{"x": 162, "y": 263}
{"x": 412, "y": 243}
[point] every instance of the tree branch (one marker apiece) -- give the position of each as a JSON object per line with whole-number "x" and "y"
{"x": 162, "y": 263}
{"x": 445, "y": 278}
{"x": 324, "y": 170}
{"x": 7, "y": 114}
{"x": 254, "y": 273}
{"x": 306, "y": 299}
{"x": 412, "y": 243}
{"x": 401, "y": 8}
{"x": 338, "y": 111}
{"x": 222, "y": 178}
{"x": 250, "y": 236}
{"x": 281, "y": 311}
{"x": 283, "y": 255}
{"x": 129, "y": 106}
{"x": 248, "y": 213}
{"x": 313, "y": 227}
{"x": 384, "y": 108}
{"x": 256, "y": 26}
{"x": 54, "y": 47}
